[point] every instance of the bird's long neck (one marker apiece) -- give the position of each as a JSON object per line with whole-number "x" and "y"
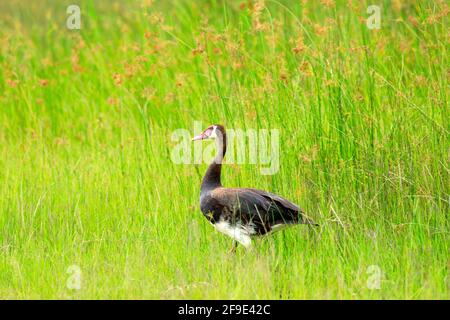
{"x": 211, "y": 180}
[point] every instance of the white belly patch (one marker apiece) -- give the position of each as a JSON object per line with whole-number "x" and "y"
{"x": 237, "y": 232}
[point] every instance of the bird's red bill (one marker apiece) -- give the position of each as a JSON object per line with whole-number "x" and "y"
{"x": 199, "y": 137}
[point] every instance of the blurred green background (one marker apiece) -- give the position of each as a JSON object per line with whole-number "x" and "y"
{"x": 86, "y": 177}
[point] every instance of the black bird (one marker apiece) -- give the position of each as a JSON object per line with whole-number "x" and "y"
{"x": 242, "y": 213}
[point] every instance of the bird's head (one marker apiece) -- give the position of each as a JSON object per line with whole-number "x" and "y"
{"x": 215, "y": 131}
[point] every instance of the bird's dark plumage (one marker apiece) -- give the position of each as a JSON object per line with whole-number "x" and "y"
{"x": 242, "y": 213}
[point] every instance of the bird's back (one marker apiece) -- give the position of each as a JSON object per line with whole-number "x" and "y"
{"x": 255, "y": 209}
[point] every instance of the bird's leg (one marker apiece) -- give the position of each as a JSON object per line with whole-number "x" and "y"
{"x": 234, "y": 247}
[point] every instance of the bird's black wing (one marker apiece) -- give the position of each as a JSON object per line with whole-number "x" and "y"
{"x": 257, "y": 207}
{"x": 286, "y": 206}
{"x": 280, "y": 210}
{"x": 280, "y": 201}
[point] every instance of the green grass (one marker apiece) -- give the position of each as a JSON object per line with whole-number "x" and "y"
{"x": 86, "y": 177}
